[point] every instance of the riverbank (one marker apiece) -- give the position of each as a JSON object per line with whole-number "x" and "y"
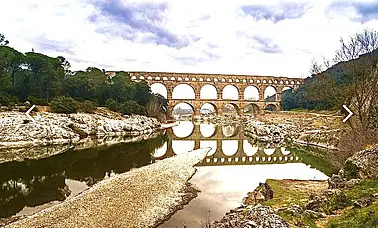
{"x": 142, "y": 197}
{"x": 348, "y": 199}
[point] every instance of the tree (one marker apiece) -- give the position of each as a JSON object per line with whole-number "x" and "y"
{"x": 157, "y": 106}
{"x": 3, "y": 41}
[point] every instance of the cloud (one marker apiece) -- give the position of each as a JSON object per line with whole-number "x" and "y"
{"x": 275, "y": 13}
{"x": 43, "y": 44}
{"x": 357, "y": 11}
{"x": 132, "y": 19}
{"x": 266, "y": 45}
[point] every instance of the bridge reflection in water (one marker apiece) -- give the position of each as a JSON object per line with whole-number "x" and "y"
{"x": 228, "y": 146}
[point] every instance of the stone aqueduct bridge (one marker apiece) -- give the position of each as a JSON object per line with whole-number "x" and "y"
{"x": 220, "y": 81}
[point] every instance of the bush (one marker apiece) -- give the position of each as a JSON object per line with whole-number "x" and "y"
{"x": 36, "y": 101}
{"x": 86, "y": 106}
{"x": 112, "y": 104}
{"x": 8, "y": 100}
{"x": 64, "y": 104}
{"x": 132, "y": 107}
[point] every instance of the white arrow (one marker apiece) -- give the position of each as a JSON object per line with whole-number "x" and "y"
{"x": 350, "y": 113}
{"x": 27, "y": 113}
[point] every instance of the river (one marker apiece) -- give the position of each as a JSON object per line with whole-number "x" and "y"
{"x": 234, "y": 166}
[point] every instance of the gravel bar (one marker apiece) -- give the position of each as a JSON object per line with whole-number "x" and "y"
{"x": 142, "y": 197}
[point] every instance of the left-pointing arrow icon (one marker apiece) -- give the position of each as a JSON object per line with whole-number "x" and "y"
{"x": 349, "y": 115}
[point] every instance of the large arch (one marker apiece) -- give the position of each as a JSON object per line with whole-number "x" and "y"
{"x": 271, "y": 107}
{"x": 183, "y": 91}
{"x": 230, "y": 92}
{"x": 270, "y": 93}
{"x": 229, "y": 131}
{"x": 160, "y": 89}
{"x": 183, "y": 108}
{"x": 251, "y": 93}
{"x": 209, "y": 92}
{"x": 209, "y": 143}
{"x": 160, "y": 152}
{"x": 231, "y": 109}
{"x": 183, "y": 129}
{"x": 248, "y": 149}
{"x": 251, "y": 109}
{"x": 182, "y": 146}
{"x": 208, "y": 130}
{"x": 209, "y": 108}
{"x": 230, "y": 147}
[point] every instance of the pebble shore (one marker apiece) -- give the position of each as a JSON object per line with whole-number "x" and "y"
{"x": 142, "y": 197}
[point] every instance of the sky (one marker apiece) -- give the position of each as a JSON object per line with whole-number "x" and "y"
{"x": 259, "y": 37}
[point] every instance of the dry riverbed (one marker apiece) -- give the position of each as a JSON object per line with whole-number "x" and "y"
{"x": 142, "y": 197}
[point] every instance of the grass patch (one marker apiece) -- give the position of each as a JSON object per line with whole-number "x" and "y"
{"x": 287, "y": 192}
{"x": 365, "y": 218}
{"x": 362, "y": 189}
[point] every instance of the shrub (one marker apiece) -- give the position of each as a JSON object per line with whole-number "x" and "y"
{"x": 36, "y": 101}
{"x": 64, "y": 104}
{"x": 112, "y": 104}
{"x": 8, "y": 100}
{"x": 131, "y": 107}
{"x": 86, "y": 106}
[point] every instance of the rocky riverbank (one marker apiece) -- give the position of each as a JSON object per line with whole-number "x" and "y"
{"x": 142, "y": 197}
{"x": 300, "y": 128}
{"x": 51, "y": 128}
{"x": 348, "y": 199}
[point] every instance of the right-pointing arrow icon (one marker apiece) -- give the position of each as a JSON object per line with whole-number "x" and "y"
{"x": 349, "y": 115}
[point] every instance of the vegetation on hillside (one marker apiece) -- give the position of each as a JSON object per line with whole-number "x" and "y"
{"x": 43, "y": 80}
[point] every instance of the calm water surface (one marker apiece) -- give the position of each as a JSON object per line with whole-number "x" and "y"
{"x": 234, "y": 166}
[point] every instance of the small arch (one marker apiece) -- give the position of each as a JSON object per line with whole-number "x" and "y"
{"x": 286, "y": 82}
{"x": 298, "y": 82}
{"x": 281, "y": 82}
{"x": 183, "y": 91}
{"x": 230, "y": 92}
{"x": 275, "y": 81}
{"x": 237, "y": 80}
{"x": 179, "y": 79}
{"x": 216, "y": 80}
{"x": 157, "y": 78}
{"x": 244, "y": 81}
{"x": 264, "y": 81}
{"x": 141, "y": 78}
{"x": 208, "y": 79}
{"x": 223, "y": 80}
{"x": 194, "y": 79}
{"x": 258, "y": 81}
{"x": 251, "y": 81}
{"x": 292, "y": 82}
{"x": 269, "y": 151}
{"x": 201, "y": 79}
{"x": 173, "y": 79}
{"x": 133, "y": 78}
{"x": 149, "y": 78}
{"x": 165, "y": 79}
{"x": 270, "y": 81}
{"x": 208, "y": 91}
{"x": 230, "y": 80}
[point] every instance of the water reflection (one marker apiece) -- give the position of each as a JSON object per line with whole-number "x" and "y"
{"x": 228, "y": 144}
{"x": 30, "y": 183}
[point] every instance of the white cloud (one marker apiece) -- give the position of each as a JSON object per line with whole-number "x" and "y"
{"x": 214, "y": 36}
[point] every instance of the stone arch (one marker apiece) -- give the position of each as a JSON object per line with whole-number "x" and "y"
{"x": 230, "y": 147}
{"x": 200, "y": 79}
{"x": 208, "y": 130}
{"x": 157, "y": 78}
{"x": 285, "y": 88}
{"x": 160, "y": 152}
{"x": 216, "y": 80}
{"x": 202, "y": 111}
{"x": 183, "y": 91}
{"x": 208, "y": 91}
{"x": 230, "y": 131}
{"x": 165, "y": 78}
{"x": 149, "y": 78}
{"x": 182, "y": 146}
{"x": 230, "y": 92}
{"x": 251, "y": 109}
{"x": 209, "y": 143}
{"x": 184, "y": 129}
{"x": 251, "y": 93}
{"x": 173, "y": 79}
{"x": 133, "y": 77}
{"x": 271, "y": 107}
{"x": 270, "y": 93}
{"x": 234, "y": 106}
{"x": 159, "y": 88}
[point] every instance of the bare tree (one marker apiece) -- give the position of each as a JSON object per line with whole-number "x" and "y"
{"x": 317, "y": 68}
{"x": 361, "y": 74}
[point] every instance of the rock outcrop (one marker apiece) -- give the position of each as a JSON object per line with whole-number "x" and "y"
{"x": 51, "y": 128}
{"x": 362, "y": 165}
{"x": 250, "y": 216}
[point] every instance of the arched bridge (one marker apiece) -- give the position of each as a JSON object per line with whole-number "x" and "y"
{"x": 219, "y": 82}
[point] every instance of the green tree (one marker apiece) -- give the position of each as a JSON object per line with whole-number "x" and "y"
{"x": 3, "y": 41}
